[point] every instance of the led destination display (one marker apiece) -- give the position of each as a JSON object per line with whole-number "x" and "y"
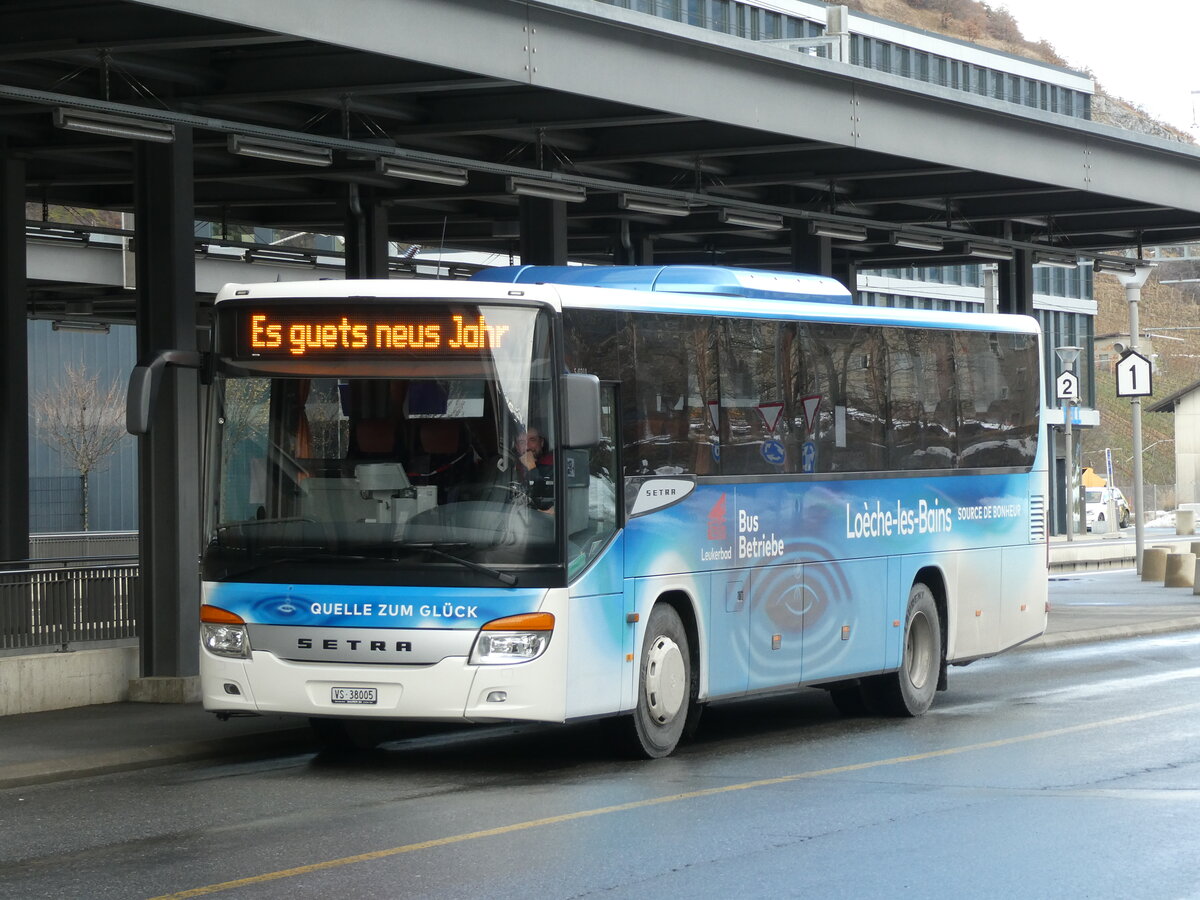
{"x": 341, "y": 334}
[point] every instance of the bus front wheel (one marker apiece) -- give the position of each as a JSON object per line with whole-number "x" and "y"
{"x": 665, "y": 690}
{"x": 910, "y": 691}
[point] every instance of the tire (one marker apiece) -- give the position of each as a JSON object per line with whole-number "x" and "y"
{"x": 666, "y": 689}
{"x": 910, "y": 691}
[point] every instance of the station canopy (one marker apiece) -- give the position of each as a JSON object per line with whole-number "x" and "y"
{"x": 710, "y": 147}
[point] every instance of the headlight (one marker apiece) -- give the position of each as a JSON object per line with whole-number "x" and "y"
{"x": 514, "y": 639}
{"x": 224, "y": 633}
{"x": 225, "y": 640}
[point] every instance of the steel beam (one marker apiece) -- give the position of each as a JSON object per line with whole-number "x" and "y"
{"x": 1015, "y": 284}
{"x": 14, "y": 364}
{"x": 169, "y": 456}
{"x": 366, "y": 233}
{"x": 543, "y": 224}
{"x": 810, "y": 253}
{"x": 674, "y": 68}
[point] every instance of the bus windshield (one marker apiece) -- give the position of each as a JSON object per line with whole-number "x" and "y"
{"x": 437, "y": 466}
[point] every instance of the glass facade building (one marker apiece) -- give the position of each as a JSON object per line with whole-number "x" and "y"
{"x": 885, "y": 47}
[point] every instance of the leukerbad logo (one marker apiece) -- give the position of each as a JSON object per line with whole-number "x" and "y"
{"x": 718, "y": 528}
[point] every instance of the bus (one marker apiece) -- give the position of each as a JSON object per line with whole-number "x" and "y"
{"x": 553, "y": 494}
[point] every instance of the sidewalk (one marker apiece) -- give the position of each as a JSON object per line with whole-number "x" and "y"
{"x": 53, "y": 746}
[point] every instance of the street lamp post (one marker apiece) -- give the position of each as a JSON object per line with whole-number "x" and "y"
{"x": 1132, "y": 282}
{"x": 1066, "y": 358}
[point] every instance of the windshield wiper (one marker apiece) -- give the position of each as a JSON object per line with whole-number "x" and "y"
{"x": 315, "y": 553}
{"x": 312, "y": 553}
{"x": 436, "y": 550}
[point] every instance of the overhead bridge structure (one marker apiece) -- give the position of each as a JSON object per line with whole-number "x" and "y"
{"x": 552, "y": 130}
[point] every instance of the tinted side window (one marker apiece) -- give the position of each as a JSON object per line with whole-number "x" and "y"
{"x": 669, "y": 376}
{"x": 845, "y": 368}
{"x": 762, "y": 428}
{"x": 923, "y": 424}
{"x": 998, "y": 399}
{"x": 593, "y": 342}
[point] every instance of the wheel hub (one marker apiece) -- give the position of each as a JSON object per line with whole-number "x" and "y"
{"x": 919, "y": 651}
{"x": 665, "y": 682}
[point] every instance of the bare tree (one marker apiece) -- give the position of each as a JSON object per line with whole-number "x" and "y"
{"x": 82, "y": 420}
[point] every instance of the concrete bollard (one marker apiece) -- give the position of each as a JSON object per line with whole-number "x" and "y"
{"x": 1154, "y": 564}
{"x": 1194, "y": 548}
{"x": 1180, "y": 570}
{"x": 1185, "y": 521}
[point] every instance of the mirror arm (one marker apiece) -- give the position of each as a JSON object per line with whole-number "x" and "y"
{"x": 144, "y": 380}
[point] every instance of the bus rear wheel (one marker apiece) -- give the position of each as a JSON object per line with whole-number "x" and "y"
{"x": 910, "y": 691}
{"x": 666, "y": 693}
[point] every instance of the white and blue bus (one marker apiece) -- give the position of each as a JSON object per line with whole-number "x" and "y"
{"x": 556, "y": 494}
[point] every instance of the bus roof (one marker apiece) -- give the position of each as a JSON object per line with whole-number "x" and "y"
{"x": 751, "y": 284}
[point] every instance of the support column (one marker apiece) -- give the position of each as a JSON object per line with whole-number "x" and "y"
{"x": 846, "y": 272}
{"x": 366, "y": 234}
{"x": 811, "y": 255}
{"x": 14, "y": 364}
{"x": 634, "y": 247}
{"x": 168, "y": 456}
{"x": 543, "y": 232}
{"x": 1014, "y": 282}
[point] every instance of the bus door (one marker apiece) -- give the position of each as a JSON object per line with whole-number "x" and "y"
{"x": 597, "y": 630}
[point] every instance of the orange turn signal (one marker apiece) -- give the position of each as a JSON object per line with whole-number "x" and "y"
{"x": 523, "y": 622}
{"x": 214, "y": 615}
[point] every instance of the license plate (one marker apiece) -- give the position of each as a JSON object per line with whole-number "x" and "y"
{"x": 355, "y": 695}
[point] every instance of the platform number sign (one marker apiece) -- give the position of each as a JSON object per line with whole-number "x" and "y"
{"x": 1067, "y": 386}
{"x": 1134, "y": 376}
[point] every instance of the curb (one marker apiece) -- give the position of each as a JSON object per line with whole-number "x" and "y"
{"x": 1111, "y": 632}
{"x": 49, "y": 771}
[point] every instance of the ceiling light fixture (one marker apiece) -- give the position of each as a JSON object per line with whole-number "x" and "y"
{"x": 280, "y": 257}
{"x": 82, "y": 326}
{"x": 1055, "y": 260}
{"x": 279, "y": 151}
{"x": 838, "y": 231}
{"x": 1115, "y": 265}
{"x": 111, "y": 125}
{"x": 662, "y": 206}
{"x": 916, "y": 241}
{"x": 456, "y": 176}
{"x": 747, "y": 219}
{"x": 989, "y": 251}
{"x": 546, "y": 190}
{"x": 53, "y": 234}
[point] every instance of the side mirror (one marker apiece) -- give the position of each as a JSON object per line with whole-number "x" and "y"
{"x": 137, "y": 400}
{"x": 143, "y": 385}
{"x": 581, "y": 411}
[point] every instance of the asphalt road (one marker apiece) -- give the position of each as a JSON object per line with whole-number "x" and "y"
{"x": 1071, "y": 772}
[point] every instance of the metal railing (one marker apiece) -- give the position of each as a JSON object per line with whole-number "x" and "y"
{"x": 44, "y": 605}
{"x": 84, "y": 545}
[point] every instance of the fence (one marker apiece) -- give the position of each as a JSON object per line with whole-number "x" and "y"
{"x": 55, "y": 607}
{"x": 55, "y": 503}
{"x": 83, "y": 544}
{"x": 1156, "y": 497}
